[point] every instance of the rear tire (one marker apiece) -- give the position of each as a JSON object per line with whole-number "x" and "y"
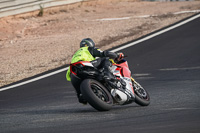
{"x": 96, "y": 95}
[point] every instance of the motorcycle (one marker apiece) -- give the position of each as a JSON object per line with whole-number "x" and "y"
{"x": 101, "y": 93}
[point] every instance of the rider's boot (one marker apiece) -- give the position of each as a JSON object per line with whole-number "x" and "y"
{"x": 108, "y": 75}
{"x": 81, "y": 99}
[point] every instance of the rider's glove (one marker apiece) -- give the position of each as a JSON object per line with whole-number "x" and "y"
{"x": 120, "y": 56}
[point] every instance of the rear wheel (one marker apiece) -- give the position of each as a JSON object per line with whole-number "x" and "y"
{"x": 141, "y": 95}
{"x": 96, "y": 95}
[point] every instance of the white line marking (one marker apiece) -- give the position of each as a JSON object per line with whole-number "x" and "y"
{"x": 115, "y": 50}
{"x": 176, "y": 69}
{"x": 193, "y": 11}
{"x": 182, "y": 109}
{"x": 111, "y": 19}
{"x": 144, "y": 16}
{"x": 34, "y": 79}
{"x": 141, "y": 74}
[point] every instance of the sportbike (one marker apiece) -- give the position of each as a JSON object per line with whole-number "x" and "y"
{"x": 102, "y": 94}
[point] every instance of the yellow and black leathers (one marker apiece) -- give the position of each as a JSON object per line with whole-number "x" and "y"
{"x": 90, "y": 54}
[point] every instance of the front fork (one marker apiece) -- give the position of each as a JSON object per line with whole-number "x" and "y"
{"x": 133, "y": 83}
{"x": 133, "y": 80}
{"x": 136, "y": 85}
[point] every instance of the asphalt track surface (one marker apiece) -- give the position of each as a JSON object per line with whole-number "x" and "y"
{"x": 168, "y": 66}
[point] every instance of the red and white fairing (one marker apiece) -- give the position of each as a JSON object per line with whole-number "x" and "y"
{"x": 122, "y": 71}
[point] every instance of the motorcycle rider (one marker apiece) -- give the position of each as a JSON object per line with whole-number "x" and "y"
{"x": 88, "y": 52}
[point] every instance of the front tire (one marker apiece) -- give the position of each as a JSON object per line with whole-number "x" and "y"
{"x": 96, "y": 95}
{"x": 141, "y": 95}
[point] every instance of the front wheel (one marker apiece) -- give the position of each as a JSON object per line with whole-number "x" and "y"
{"x": 96, "y": 95}
{"x": 141, "y": 95}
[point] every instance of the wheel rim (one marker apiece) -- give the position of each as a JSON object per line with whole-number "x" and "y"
{"x": 141, "y": 92}
{"x": 100, "y": 93}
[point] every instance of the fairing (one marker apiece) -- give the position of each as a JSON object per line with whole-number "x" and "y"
{"x": 122, "y": 71}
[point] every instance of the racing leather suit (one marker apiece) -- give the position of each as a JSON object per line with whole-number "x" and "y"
{"x": 90, "y": 54}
